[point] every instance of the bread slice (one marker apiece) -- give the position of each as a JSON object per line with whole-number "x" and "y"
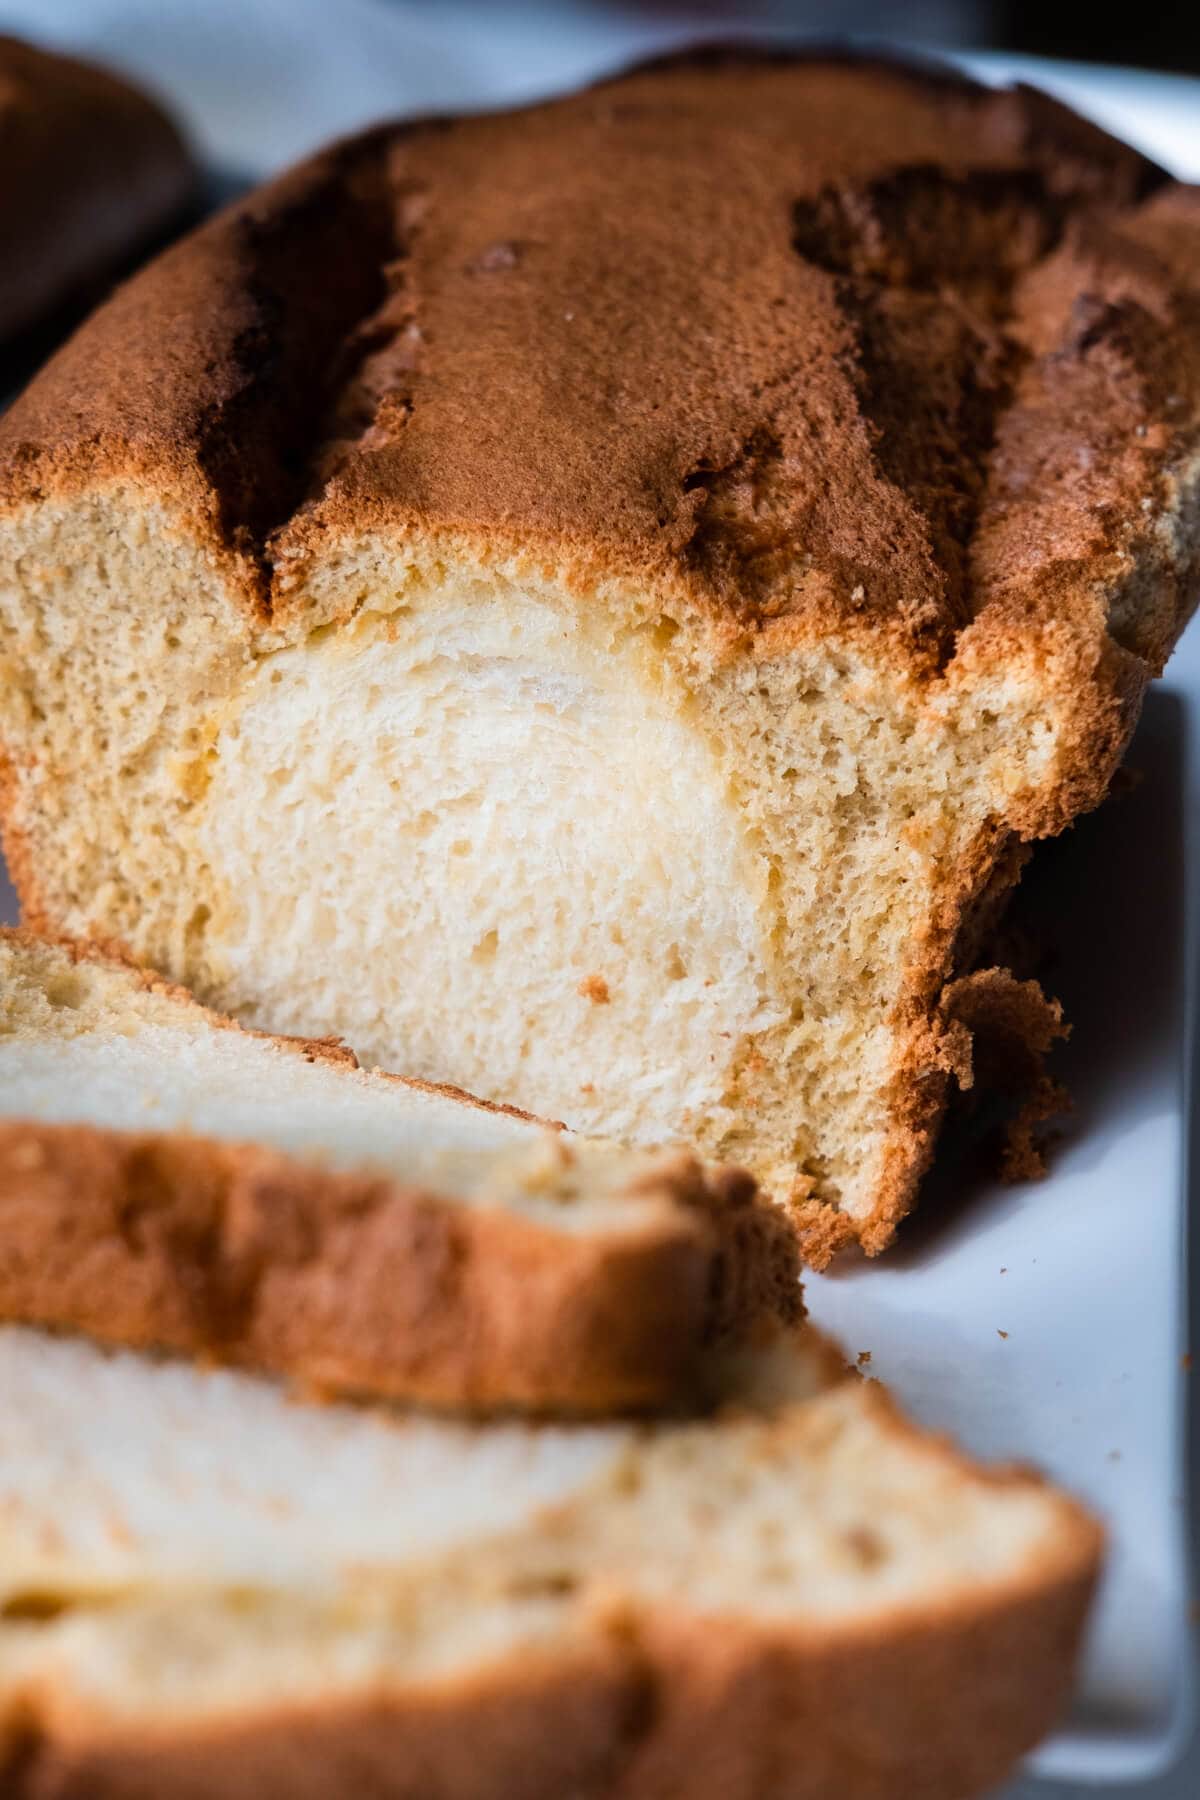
{"x": 168, "y": 1179}
{"x": 209, "y": 1592}
{"x": 591, "y": 604}
{"x": 92, "y": 170}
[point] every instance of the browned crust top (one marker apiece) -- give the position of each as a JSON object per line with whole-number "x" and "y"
{"x": 809, "y": 337}
{"x": 90, "y": 167}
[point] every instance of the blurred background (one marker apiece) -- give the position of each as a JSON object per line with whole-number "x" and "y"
{"x": 261, "y": 81}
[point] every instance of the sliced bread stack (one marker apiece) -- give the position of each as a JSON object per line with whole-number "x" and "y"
{"x": 209, "y": 1589}
{"x": 210, "y": 1592}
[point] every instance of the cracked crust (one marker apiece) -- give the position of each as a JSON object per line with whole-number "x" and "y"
{"x": 976, "y": 270}
{"x": 93, "y": 168}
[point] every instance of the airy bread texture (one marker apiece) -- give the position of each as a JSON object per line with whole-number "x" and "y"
{"x": 591, "y": 604}
{"x": 169, "y": 1180}
{"x": 92, "y": 169}
{"x": 803, "y": 1598}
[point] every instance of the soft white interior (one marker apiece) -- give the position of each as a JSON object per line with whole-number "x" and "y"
{"x": 663, "y": 895}
{"x": 84, "y": 1044}
{"x": 155, "y": 1475}
{"x": 120, "y": 1476}
{"x": 236, "y": 1088}
{"x": 486, "y": 822}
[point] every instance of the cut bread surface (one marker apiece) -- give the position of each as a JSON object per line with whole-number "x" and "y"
{"x": 183, "y": 1581}
{"x": 487, "y": 749}
{"x": 168, "y": 1179}
{"x": 670, "y": 721}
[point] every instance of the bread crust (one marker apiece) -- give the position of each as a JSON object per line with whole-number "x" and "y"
{"x": 694, "y": 1710}
{"x": 93, "y": 169}
{"x": 754, "y": 1716}
{"x": 648, "y": 1702}
{"x": 959, "y": 1025}
{"x": 354, "y": 1283}
{"x": 422, "y": 253}
{"x": 546, "y": 1727}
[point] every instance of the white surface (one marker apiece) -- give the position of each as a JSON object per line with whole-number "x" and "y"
{"x": 1083, "y": 1273}
{"x": 1088, "y": 1381}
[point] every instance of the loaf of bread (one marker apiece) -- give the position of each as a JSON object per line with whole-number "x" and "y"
{"x": 90, "y": 170}
{"x": 169, "y": 1180}
{"x": 208, "y": 1593}
{"x": 591, "y": 604}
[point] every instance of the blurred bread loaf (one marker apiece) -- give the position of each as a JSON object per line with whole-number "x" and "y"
{"x": 91, "y": 170}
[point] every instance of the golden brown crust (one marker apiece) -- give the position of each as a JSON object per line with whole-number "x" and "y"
{"x": 650, "y": 1705}
{"x": 93, "y": 168}
{"x": 790, "y": 345}
{"x": 541, "y": 1727}
{"x": 950, "y": 1011}
{"x": 699, "y": 1711}
{"x": 941, "y": 1707}
{"x": 356, "y": 1283}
